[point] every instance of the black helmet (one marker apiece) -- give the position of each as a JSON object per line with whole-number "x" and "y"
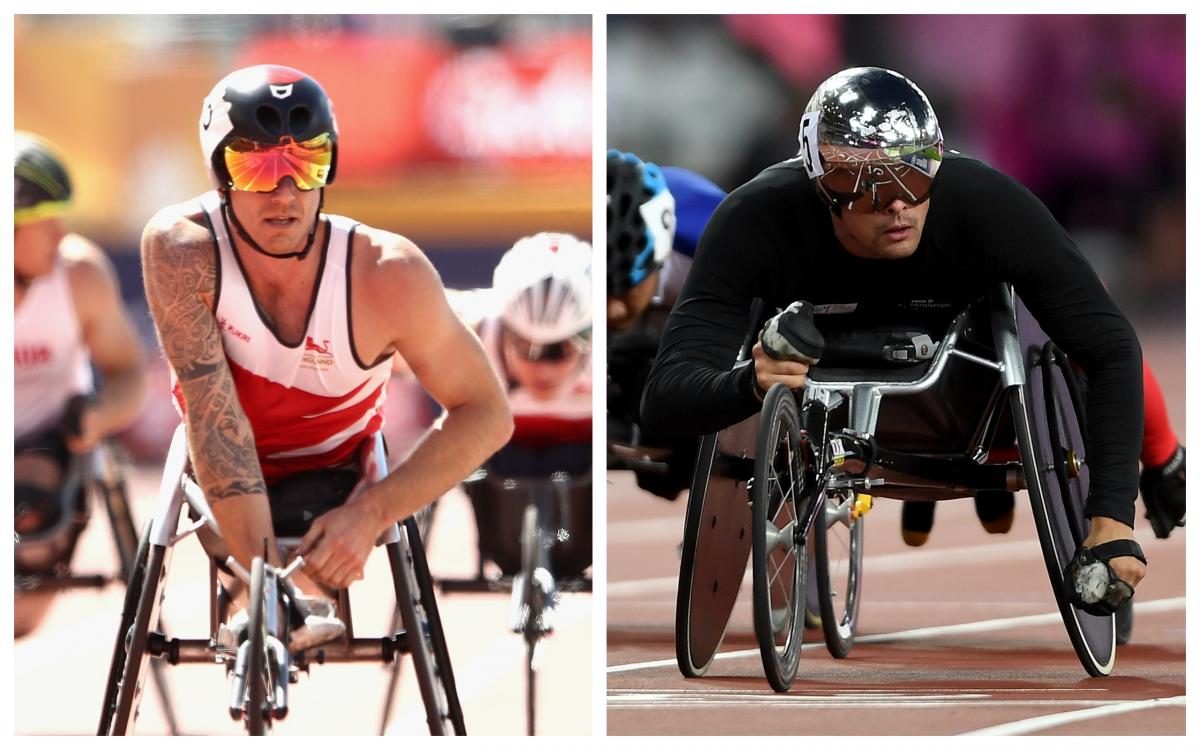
{"x": 266, "y": 104}
{"x": 641, "y": 221}
{"x": 42, "y": 187}
{"x": 869, "y": 135}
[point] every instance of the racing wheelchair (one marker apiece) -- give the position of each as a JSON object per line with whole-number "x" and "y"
{"x": 798, "y": 478}
{"x": 533, "y": 514}
{"x": 264, "y": 664}
{"x": 42, "y": 555}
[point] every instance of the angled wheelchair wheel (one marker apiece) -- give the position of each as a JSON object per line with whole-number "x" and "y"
{"x": 778, "y": 558}
{"x": 256, "y": 664}
{"x": 127, "y": 672}
{"x": 133, "y": 588}
{"x": 425, "y": 639}
{"x": 838, "y": 542}
{"x": 1051, "y": 434}
{"x": 716, "y": 545}
{"x": 837, "y": 534}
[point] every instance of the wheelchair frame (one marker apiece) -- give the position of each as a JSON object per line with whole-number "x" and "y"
{"x": 848, "y": 463}
{"x": 137, "y": 642}
{"x": 533, "y": 597}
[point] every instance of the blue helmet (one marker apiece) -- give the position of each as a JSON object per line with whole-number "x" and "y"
{"x": 641, "y": 221}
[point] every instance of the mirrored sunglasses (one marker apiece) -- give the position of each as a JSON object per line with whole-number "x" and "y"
{"x": 258, "y": 167}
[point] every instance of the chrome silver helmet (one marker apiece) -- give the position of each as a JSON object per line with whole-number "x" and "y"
{"x": 869, "y": 136}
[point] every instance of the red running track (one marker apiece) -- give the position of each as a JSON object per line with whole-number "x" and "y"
{"x": 962, "y": 635}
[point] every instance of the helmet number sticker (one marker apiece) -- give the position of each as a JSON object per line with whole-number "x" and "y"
{"x": 808, "y": 144}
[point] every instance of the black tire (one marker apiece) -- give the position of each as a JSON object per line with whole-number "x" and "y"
{"x": 135, "y": 638}
{"x": 1047, "y": 425}
{"x": 838, "y": 548}
{"x": 437, "y": 635}
{"x": 133, "y": 589}
{"x": 256, "y": 666}
{"x": 778, "y": 558}
{"x": 116, "y": 506}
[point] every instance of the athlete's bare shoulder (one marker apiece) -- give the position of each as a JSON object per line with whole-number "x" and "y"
{"x": 178, "y": 229}
{"x": 177, "y": 253}
{"x": 85, "y": 261}
{"x": 92, "y": 277}
{"x": 390, "y": 263}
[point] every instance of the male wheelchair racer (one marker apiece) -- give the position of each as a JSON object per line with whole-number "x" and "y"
{"x": 264, "y": 664}
{"x": 934, "y": 425}
{"x": 49, "y": 524}
{"x": 533, "y": 514}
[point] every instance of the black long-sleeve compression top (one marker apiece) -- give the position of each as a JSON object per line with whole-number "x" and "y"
{"x": 773, "y": 238}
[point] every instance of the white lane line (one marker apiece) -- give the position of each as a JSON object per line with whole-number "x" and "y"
{"x": 763, "y": 700}
{"x": 1038, "y": 723}
{"x": 855, "y": 692}
{"x": 979, "y": 626}
{"x": 896, "y": 562}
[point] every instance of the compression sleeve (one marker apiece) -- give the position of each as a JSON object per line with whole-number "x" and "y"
{"x": 696, "y": 198}
{"x": 1027, "y": 246}
{"x": 693, "y": 388}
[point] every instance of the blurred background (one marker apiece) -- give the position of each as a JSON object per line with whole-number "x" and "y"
{"x": 463, "y": 133}
{"x": 1086, "y": 111}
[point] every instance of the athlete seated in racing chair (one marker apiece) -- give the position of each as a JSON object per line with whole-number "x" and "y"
{"x": 69, "y": 317}
{"x": 655, "y": 218}
{"x": 535, "y": 322}
{"x": 848, "y": 221}
{"x": 279, "y": 322}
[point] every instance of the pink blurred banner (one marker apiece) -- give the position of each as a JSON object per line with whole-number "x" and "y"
{"x": 403, "y": 99}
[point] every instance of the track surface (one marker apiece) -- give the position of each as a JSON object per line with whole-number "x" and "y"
{"x": 959, "y": 636}
{"x": 60, "y": 669}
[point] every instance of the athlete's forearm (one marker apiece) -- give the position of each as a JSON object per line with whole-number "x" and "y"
{"x": 120, "y": 399}
{"x": 466, "y": 438}
{"x": 220, "y": 440}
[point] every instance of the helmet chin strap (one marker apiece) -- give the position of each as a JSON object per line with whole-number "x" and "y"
{"x": 298, "y": 255}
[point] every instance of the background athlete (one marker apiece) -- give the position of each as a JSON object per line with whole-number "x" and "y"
{"x": 655, "y": 219}
{"x": 279, "y": 323}
{"x": 535, "y": 322}
{"x": 853, "y": 220}
{"x": 68, "y": 318}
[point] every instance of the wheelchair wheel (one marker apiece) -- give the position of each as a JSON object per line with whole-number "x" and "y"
{"x": 1051, "y": 439}
{"x": 256, "y": 666}
{"x": 127, "y": 673}
{"x": 133, "y": 587}
{"x": 838, "y": 541}
{"x": 778, "y": 559}
{"x": 716, "y": 545}
{"x": 424, "y": 637}
{"x": 531, "y": 540}
{"x": 531, "y": 687}
{"x": 437, "y": 635}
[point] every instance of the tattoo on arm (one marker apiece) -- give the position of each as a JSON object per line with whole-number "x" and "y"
{"x": 180, "y": 284}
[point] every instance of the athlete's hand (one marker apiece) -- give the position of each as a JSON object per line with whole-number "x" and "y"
{"x": 90, "y": 432}
{"x": 769, "y": 371}
{"x": 1130, "y": 569}
{"x": 336, "y": 547}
